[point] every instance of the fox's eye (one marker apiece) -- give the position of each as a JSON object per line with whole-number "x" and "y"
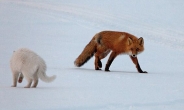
{"x": 137, "y": 49}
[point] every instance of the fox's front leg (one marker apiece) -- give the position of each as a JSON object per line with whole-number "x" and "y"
{"x": 135, "y": 61}
{"x": 110, "y": 60}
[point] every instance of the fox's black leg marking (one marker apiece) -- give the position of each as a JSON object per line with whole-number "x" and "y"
{"x": 99, "y": 64}
{"x": 110, "y": 60}
{"x": 135, "y": 61}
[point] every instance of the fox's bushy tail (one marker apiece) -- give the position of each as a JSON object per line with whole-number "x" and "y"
{"x": 42, "y": 75}
{"x": 87, "y": 53}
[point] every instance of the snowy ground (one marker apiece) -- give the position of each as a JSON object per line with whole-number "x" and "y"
{"x": 58, "y": 30}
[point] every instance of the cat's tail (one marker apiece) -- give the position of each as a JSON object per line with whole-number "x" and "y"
{"x": 42, "y": 75}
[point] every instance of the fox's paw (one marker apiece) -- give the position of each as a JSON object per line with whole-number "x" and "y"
{"x": 97, "y": 69}
{"x": 99, "y": 64}
{"x": 143, "y": 72}
{"x": 107, "y": 70}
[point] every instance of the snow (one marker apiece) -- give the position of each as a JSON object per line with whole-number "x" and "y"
{"x": 58, "y": 30}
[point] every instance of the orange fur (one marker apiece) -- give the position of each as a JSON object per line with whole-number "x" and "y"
{"x": 86, "y": 54}
{"x": 117, "y": 42}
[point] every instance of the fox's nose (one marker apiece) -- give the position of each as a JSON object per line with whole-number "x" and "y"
{"x": 133, "y": 55}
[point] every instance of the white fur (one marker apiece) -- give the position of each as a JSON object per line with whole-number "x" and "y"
{"x": 30, "y": 65}
{"x": 130, "y": 53}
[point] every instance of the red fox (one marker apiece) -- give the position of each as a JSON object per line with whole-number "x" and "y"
{"x": 106, "y": 41}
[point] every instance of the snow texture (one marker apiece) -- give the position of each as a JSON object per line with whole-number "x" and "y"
{"x": 58, "y": 30}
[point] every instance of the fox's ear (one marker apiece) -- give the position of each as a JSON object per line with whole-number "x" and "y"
{"x": 129, "y": 41}
{"x": 141, "y": 41}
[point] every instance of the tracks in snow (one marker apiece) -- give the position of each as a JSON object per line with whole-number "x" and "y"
{"x": 104, "y": 20}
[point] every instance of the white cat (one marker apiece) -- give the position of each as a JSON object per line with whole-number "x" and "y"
{"x": 26, "y": 63}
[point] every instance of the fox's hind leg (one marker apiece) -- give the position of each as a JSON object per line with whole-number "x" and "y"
{"x": 15, "y": 78}
{"x": 98, "y": 63}
{"x": 100, "y": 54}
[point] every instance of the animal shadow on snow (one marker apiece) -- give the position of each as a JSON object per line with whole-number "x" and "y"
{"x": 111, "y": 71}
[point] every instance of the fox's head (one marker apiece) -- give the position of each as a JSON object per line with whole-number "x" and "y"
{"x": 135, "y": 47}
